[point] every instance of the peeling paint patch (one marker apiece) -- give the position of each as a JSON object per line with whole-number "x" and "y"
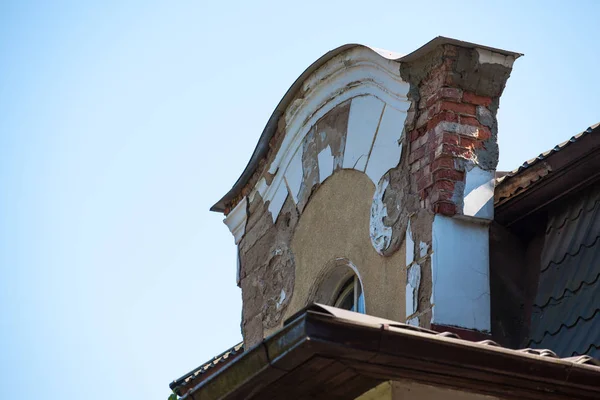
{"x": 281, "y": 299}
{"x": 293, "y": 175}
{"x": 423, "y": 249}
{"x": 332, "y": 132}
{"x": 381, "y": 235}
{"x": 310, "y": 168}
{"x": 277, "y": 202}
{"x": 410, "y": 245}
{"x": 479, "y": 194}
{"x": 387, "y": 149}
{"x": 365, "y": 114}
{"x": 412, "y": 289}
{"x": 489, "y": 57}
{"x": 260, "y": 189}
{"x": 326, "y": 161}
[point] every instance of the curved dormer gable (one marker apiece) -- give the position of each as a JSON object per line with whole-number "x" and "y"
{"x": 366, "y": 161}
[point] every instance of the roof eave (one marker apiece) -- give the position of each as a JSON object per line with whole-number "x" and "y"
{"x": 380, "y": 352}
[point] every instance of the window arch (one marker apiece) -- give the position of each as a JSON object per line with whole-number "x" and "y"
{"x": 351, "y": 296}
{"x": 339, "y": 285}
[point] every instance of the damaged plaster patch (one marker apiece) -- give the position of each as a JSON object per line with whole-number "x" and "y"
{"x": 454, "y": 127}
{"x": 490, "y": 57}
{"x": 332, "y": 132}
{"x": 485, "y": 116}
{"x": 310, "y": 168}
{"x": 410, "y": 246}
{"x": 277, "y": 202}
{"x": 267, "y": 267}
{"x": 387, "y": 148}
{"x": 365, "y": 114}
{"x": 423, "y": 249}
{"x": 282, "y": 298}
{"x": 412, "y": 289}
{"x": 479, "y": 194}
{"x": 326, "y": 161}
{"x": 293, "y": 174}
{"x": 381, "y": 235}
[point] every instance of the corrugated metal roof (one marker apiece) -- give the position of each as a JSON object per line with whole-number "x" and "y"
{"x": 529, "y": 163}
{"x": 566, "y": 314}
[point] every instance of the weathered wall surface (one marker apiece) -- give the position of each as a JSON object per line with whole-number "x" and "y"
{"x": 373, "y": 157}
{"x": 325, "y": 214}
{"x": 446, "y": 184}
{"x": 311, "y": 202}
{"x": 335, "y": 224}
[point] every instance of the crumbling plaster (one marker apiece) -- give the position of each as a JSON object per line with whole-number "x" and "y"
{"x": 350, "y": 174}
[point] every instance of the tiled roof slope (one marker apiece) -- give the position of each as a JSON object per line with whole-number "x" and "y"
{"x": 187, "y": 381}
{"x": 566, "y": 314}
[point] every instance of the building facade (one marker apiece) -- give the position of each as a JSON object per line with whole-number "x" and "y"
{"x": 371, "y": 214}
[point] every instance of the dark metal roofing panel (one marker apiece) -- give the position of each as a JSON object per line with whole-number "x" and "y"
{"x": 572, "y": 228}
{"x": 566, "y": 313}
{"x": 572, "y": 307}
{"x": 582, "y": 338}
{"x": 569, "y": 274}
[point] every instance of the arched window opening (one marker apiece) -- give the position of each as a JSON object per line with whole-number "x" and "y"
{"x": 351, "y": 296}
{"x": 339, "y": 285}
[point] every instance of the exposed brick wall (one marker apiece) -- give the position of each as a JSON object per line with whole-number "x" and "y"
{"x": 450, "y": 127}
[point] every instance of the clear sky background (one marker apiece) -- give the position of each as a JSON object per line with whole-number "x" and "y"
{"x": 122, "y": 122}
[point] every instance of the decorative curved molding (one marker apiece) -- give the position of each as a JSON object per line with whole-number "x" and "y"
{"x": 236, "y": 220}
{"x": 375, "y": 89}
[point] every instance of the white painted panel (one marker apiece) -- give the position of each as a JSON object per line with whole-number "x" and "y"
{"x": 277, "y": 201}
{"x": 413, "y": 281}
{"x": 386, "y": 149}
{"x": 236, "y": 220}
{"x": 479, "y": 194}
{"x": 410, "y": 245}
{"x": 365, "y": 113}
{"x": 325, "y": 159}
{"x": 460, "y": 274}
{"x": 293, "y": 174}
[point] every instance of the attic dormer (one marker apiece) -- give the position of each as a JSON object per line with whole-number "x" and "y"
{"x": 371, "y": 189}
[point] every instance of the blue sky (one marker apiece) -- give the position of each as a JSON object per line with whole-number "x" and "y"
{"x": 122, "y": 122}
